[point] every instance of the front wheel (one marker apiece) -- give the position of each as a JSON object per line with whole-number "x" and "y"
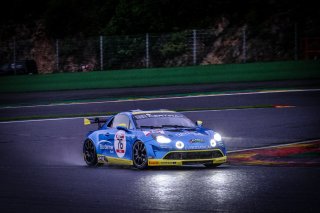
{"x": 139, "y": 157}
{"x": 90, "y": 154}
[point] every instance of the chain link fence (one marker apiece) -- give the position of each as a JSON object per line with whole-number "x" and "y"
{"x": 186, "y": 48}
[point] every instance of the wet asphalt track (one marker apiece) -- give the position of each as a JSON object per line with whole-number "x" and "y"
{"x": 302, "y": 98}
{"x": 41, "y": 167}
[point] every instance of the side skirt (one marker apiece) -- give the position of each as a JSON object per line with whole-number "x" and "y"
{"x": 110, "y": 160}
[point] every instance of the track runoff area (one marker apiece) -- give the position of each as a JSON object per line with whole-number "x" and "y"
{"x": 303, "y": 153}
{"x": 306, "y": 153}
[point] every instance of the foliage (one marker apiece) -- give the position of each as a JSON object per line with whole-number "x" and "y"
{"x": 122, "y": 51}
{"x": 175, "y": 45}
{"x": 63, "y": 18}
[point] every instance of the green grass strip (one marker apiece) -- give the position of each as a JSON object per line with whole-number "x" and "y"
{"x": 206, "y": 74}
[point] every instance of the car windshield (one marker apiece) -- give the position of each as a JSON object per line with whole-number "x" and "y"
{"x": 163, "y": 120}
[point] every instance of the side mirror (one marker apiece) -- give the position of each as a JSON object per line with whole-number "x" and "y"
{"x": 199, "y": 123}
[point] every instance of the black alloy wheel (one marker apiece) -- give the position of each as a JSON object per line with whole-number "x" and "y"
{"x": 139, "y": 157}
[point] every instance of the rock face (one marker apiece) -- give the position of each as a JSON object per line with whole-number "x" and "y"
{"x": 226, "y": 48}
{"x": 43, "y": 50}
{"x": 44, "y": 54}
{"x": 274, "y": 40}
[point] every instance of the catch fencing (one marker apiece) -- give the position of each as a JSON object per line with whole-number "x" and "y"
{"x": 186, "y": 48}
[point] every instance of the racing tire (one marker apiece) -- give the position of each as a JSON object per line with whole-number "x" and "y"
{"x": 90, "y": 154}
{"x": 139, "y": 155}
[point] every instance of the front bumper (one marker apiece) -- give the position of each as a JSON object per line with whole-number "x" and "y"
{"x": 179, "y": 158}
{"x": 162, "y": 162}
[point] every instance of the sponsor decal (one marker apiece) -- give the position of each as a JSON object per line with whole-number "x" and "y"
{"x": 157, "y": 131}
{"x": 120, "y": 143}
{"x": 105, "y": 146}
{"x": 100, "y": 158}
{"x": 181, "y": 134}
{"x": 168, "y": 163}
{"x": 197, "y": 140}
{"x": 154, "y": 162}
{"x": 197, "y": 147}
{"x": 148, "y": 115}
{"x": 146, "y": 133}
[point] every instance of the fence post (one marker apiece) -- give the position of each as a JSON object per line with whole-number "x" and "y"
{"x": 14, "y": 56}
{"x": 244, "y": 45}
{"x": 101, "y": 53}
{"x": 147, "y": 50}
{"x": 295, "y": 41}
{"x": 57, "y": 55}
{"x": 194, "y": 49}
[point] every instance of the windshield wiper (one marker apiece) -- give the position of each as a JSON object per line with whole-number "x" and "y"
{"x": 151, "y": 127}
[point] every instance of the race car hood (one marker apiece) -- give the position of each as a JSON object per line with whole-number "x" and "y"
{"x": 190, "y": 135}
{"x": 196, "y": 138}
{"x": 181, "y": 133}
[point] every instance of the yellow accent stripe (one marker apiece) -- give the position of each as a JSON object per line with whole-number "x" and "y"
{"x": 119, "y": 161}
{"x": 161, "y": 162}
{"x": 112, "y": 160}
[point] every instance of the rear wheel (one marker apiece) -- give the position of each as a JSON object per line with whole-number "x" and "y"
{"x": 139, "y": 157}
{"x": 90, "y": 154}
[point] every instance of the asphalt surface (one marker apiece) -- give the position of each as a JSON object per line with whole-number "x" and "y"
{"x": 300, "y": 98}
{"x": 48, "y": 97}
{"x": 41, "y": 166}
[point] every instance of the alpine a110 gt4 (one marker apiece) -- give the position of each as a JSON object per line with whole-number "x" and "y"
{"x": 152, "y": 138}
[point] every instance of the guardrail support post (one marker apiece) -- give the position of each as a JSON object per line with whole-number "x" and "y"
{"x": 57, "y": 55}
{"x": 244, "y": 45}
{"x": 101, "y": 53}
{"x": 194, "y": 49}
{"x": 295, "y": 41}
{"x": 147, "y": 51}
{"x": 14, "y": 56}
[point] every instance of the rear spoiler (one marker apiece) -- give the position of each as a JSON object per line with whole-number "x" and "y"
{"x": 100, "y": 121}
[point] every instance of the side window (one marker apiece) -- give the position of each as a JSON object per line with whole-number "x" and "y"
{"x": 121, "y": 120}
{"x": 110, "y": 123}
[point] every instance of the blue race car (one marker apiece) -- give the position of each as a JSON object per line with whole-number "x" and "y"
{"x": 152, "y": 138}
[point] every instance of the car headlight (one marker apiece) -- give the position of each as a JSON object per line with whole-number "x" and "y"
{"x": 179, "y": 144}
{"x": 217, "y": 137}
{"x": 213, "y": 143}
{"x": 162, "y": 139}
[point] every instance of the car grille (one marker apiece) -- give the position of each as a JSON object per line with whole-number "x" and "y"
{"x": 193, "y": 155}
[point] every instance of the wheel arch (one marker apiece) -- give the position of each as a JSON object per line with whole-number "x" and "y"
{"x": 87, "y": 139}
{"x": 148, "y": 146}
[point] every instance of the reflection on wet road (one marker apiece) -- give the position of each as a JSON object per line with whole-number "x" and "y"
{"x": 187, "y": 189}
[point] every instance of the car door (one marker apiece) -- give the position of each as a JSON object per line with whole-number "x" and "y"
{"x": 105, "y": 146}
{"x": 121, "y": 139}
